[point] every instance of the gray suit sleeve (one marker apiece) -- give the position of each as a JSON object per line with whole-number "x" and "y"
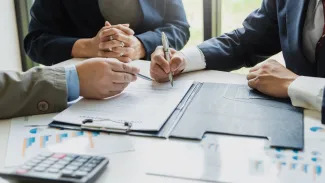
{"x": 37, "y": 91}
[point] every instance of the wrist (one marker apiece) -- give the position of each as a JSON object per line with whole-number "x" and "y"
{"x": 289, "y": 82}
{"x": 140, "y": 50}
{"x": 84, "y": 48}
{"x": 184, "y": 61}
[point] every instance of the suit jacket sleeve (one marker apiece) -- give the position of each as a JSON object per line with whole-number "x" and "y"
{"x": 259, "y": 36}
{"x": 49, "y": 30}
{"x": 37, "y": 91}
{"x": 175, "y": 26}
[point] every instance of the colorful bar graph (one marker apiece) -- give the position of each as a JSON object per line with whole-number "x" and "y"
{"x": 280, "y": 165}
{"x": 317, "y": 129}
{"x": 293, "y": 166}
{"x": 27, "y": 143}
{"x": 43, "y": 140}
{"x": 90, "y": 137}
{"x": 318, "y": 170}
{"x": 305, "y": 168}
{"x": 61, "y": 137}
{"x": 77, "y": 134}
{"x": 91, "y": 141}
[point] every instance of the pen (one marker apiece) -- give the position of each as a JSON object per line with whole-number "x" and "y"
{"x": 144, "y": 77}
{"x": 167, "y": 55}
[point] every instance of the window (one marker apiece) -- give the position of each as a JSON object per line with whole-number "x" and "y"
{"x": 194, "y": 12}
{"x": 23, "y": 18}
{"x": 234, "y": 12}
{"x": 227, "y": 15}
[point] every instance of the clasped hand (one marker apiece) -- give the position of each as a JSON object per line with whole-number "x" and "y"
{"x": 271, "y": 78}
{"x": 118, "y": 41}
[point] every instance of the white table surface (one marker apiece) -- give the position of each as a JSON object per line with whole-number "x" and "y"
{"x": 131, "y": 166}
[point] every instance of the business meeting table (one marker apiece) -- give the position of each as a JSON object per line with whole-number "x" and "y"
{"x": 133, "y": 166}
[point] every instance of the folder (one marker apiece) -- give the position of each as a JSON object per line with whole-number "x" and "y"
{"x": 221, "y": 109}
{"x": 65, "y": 119}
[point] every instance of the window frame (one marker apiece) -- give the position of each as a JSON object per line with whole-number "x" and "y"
{"x": 23, "y": 18}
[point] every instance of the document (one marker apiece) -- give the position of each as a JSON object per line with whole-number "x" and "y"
{"x": 146, "y": 105}
{"x": 222, "y": 158}
{"x": 30, "y": 136}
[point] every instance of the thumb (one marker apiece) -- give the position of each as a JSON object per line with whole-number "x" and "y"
{"x": 107, "y": 24}
{"x": 176, "y": 63}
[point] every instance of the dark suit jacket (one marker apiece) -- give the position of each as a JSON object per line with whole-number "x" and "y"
{"x": 57, "y": 24}
{"x": 276, "y": 26}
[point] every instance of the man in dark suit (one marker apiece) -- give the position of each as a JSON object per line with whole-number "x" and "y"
{"x": 295, "y": 27}
{"x": 61, "y": 29}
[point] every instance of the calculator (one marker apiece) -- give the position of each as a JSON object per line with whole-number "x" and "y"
{"x": 59, "y": 167}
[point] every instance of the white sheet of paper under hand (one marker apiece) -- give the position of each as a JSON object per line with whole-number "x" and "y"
{"x": 147, "y": 105}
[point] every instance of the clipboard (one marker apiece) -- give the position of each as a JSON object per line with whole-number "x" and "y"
{"x": 125, "y": 127}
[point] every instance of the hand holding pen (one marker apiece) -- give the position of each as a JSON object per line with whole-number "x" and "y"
{"x": 165, "y": 43}
{"x": 160, "y": 68}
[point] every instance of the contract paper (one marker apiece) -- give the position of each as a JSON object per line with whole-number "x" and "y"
{"x": 30, "y": 136}
{"x": 147, "y": 105}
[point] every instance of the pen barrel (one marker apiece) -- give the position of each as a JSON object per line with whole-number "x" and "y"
{"x": 167, "y": 56}
{"x": 170, "y": 75}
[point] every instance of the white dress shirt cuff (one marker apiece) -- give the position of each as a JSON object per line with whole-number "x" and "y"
{"x": 307, "y": 92}
{"x": 194, "y": 59}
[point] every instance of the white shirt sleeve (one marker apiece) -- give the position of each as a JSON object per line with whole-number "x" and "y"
{"x": 194, "y": 59}
{"x": 307, "y": 92}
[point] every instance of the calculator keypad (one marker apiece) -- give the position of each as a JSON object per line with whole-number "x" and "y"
{"x": 67, "y": 165}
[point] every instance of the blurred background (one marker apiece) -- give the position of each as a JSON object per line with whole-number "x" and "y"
{"x": 208, "y": 18}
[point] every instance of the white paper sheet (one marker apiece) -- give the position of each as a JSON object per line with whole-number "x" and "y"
{"x": 220, "y": 158}
{"x": 30, "y": 136}
{"x": 147, "y": 105}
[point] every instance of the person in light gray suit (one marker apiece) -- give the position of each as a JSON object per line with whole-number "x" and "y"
{"x": 48, "y": 89}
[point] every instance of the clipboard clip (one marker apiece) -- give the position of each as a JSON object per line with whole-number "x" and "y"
{"x": 115, "y": 126}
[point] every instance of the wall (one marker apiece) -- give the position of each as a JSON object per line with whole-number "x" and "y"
{"x": 9, "y": 43}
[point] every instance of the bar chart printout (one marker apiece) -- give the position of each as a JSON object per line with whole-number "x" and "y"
{"x": 26, "y": 139}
